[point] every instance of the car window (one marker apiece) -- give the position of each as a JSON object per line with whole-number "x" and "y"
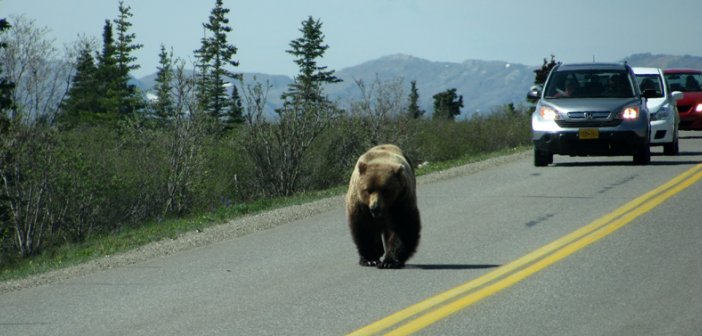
{"x": 650, "y": 82}
{"x": 685, "y": 82}
{"x": 589, "y": 84}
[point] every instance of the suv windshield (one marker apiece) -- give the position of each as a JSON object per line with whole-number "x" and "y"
{"x": 589, "y": 84}
{"x": 684, "y": 82}
{"x": 650, "y": 82}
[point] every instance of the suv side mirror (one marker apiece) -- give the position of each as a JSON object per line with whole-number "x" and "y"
{"x": 533, "y": 95}
{"x": 677, "y": 95}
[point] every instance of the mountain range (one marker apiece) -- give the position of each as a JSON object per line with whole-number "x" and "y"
{"x": 484, "y": 85}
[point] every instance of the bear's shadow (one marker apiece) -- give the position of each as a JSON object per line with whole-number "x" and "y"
{"x": 450, "y": 266}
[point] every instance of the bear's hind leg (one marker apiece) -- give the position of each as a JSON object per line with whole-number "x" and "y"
{"x": 402, "y": 240}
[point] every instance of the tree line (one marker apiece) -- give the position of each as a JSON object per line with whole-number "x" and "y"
{"x": 83, "y": 152}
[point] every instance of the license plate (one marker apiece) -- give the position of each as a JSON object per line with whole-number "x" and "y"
{"x": 588, "y": 133}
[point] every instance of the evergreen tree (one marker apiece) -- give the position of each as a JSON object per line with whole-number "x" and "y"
{"x": 280, "y": 150}
{"x": 542, "y": 73}
{"x": 235, "y": 113}
{"x": 124, "y": 44}
{"x": 6, "y": 87}
{"x": 6, "y": 105}
{"x": 413, "y": 110}
{"x": 447, "y": 105}
{"x": 81, "y": 105}
{"x": 307, "y": 86}
{"x": 107, "y": 79}
{"x": 163, "y": 108}
{"x": 129, "y": 100}
{"x": 214, "y": 55}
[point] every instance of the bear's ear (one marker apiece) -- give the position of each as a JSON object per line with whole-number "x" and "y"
{"x": 362, "y": 168}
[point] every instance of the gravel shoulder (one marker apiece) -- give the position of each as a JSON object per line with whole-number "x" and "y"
{"x": 230, "y": 230}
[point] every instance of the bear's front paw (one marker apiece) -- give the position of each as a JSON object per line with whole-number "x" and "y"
{"x": 390, "y": 264}
{"x": 370, "y": 263}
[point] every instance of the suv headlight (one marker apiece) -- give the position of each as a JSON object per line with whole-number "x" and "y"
{"x": 548, "y": 113}
{"x": 630, "y": 113}
{"x": 662, "y": 113}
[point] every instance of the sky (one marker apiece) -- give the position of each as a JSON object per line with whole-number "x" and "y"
{"x": 514, "y": 31}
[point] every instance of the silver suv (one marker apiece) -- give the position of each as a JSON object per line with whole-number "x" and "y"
{"x": 590, "y": 109}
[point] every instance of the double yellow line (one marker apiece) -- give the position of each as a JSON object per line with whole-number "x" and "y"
{"x": 433, "y": 309}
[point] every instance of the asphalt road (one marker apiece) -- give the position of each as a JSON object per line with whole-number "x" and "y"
{"x": 641, "y": 275}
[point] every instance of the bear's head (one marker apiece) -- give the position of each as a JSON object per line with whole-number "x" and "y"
{"x": 380, "y": 185}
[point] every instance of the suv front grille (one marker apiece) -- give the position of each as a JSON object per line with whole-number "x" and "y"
{"x": 588, "y": 123}
{"x": 588, "y": 119}
{"x": 588, "y": 115}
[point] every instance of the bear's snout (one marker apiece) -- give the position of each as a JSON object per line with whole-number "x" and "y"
{"x": 375, "y": 210}
{"x": 375, "y": 207}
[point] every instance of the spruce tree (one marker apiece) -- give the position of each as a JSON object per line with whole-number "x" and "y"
{"x": 280, "y": 150}
{"x": 214, "y": 55}
{"x": 235, "y": 113}
{"x": 413, "y": 110}
{"x": 542, "y": 74}
{"x": 125, "y": 61}
{"x": 6, "y": 87}
{"x": 447, "y": 105}
{"x": 308, "y": 84}
{"x": 81, "y": 105}
{"x": 124, "y": 44}
{"x": 6, "y": 158}
{"x": 163, "y": 108}
{"x": 108, "y": 82}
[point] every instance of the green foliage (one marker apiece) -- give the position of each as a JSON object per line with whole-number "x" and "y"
{"x": 235, "y": 114}
{"x": 82, "y": 102}
{"x": 214, "y": 55}
{"x": 413, "y": 109}
{"x": 541, "y": 74}
{"x": 6, "y": 86}
{"x": 447, "y": 105}
{"x": 26, "y": 162}
{"x": 108, "y": 82}
{"x": 164, "y": 105}
{"x": 505, "y": 127}
{"x": 6, "y": 104}
{"x": 307, "y": 49}
{"x": 124, "y": 45}
{"x": 280, "y": 150}
{"x": 100, "y": 92}
{"x": 129, "y": 99}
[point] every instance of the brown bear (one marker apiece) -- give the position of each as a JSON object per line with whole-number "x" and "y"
{"x": 381, "y": 205}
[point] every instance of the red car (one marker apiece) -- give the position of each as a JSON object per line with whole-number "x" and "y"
{"x": 689, "y": 82}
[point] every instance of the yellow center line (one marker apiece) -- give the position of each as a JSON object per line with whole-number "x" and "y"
{"x": 519, "y": 269}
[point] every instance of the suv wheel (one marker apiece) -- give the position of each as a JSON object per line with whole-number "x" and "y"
{"x": 542, "y": 158}
{"x": 643, "y": 156}
{"x": 671, "y": 148}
